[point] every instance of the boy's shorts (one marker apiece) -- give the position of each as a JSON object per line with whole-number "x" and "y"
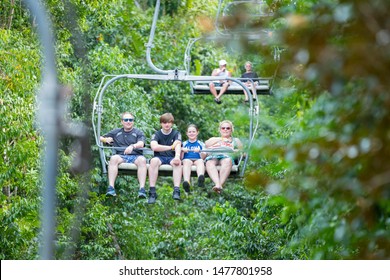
{"x": 165, "y": 160}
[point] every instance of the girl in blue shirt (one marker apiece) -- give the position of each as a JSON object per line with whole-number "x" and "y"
{"x": 192, "y": 155}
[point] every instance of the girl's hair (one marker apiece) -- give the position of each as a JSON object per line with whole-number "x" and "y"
{"x": 192, "y": 125}
{"x": 167, "y": 117}
{"x": 226, "y": 121}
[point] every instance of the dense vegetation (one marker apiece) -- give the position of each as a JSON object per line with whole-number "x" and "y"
{"x": 317, "y": 186}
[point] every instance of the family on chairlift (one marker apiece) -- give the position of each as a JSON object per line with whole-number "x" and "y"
{"x": 168, "y": 148}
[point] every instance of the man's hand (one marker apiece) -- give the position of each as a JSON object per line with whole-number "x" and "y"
{"x": 129, "y": 150}
{"x": 109, "y": 140}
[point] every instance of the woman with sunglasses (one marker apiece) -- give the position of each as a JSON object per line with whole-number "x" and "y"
{"x": 131, "y": 140}
{"x": 226, "y": 144}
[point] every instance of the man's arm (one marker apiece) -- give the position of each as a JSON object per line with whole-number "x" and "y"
{"x": 106, "y": 140}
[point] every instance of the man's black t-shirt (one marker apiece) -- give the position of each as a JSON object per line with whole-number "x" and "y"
{"x": 124, "y": 138}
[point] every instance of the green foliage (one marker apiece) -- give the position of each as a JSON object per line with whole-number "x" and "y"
{"x": 331, "y": 156}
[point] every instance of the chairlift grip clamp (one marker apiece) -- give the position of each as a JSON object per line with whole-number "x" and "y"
{"x": 176, "y": 75}
{"x": 99, "y": 108}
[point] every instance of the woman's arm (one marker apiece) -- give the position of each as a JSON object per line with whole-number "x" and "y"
{"x": 212, "y": 141}
{"x": 239, "y": 144}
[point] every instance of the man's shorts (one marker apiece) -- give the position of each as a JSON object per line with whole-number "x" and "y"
{"x": 129, "y": 158}
{"x": 165, "y": 160}
{"x": 219, "y": 84}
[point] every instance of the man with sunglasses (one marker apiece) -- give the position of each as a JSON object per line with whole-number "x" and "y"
{"x": 130, "y": 139}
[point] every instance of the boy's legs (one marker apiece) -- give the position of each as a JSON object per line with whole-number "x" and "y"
{"x": 177, "y": 171}
{"x": 153, "y": 171}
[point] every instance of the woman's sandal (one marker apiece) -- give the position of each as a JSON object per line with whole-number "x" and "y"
{"x": 217, "y": 189}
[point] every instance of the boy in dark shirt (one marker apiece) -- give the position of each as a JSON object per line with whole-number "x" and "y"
{"x": 166, "y": 144}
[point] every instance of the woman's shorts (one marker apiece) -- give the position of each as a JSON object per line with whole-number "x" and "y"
{"x": 218, "y": 157}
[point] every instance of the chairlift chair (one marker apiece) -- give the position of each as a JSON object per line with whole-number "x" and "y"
{"x": 259, "y": 9}
{"x": 239, "y": 166}
{"x": 252, "y": 10}
{"x": 262, "y": 85}
{"x": 175, "y": 75}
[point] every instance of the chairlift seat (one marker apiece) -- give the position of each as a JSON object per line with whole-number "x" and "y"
{"x": 166, "y": 170}
{"x": 262, "y": 87}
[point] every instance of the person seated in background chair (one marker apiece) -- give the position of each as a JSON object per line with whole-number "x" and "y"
{"x": 250, "y": 75}
{"x": 222, "y": 73}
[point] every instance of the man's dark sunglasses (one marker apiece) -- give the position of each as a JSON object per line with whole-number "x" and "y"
{"x": 128, "y": 120}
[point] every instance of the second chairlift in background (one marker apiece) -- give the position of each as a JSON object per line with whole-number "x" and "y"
{"x": 255, "y": 11}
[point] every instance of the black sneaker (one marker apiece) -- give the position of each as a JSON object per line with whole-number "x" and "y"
{"x": 141, "y": 193}
{"x": 201, "y": 181}
{"x": 217, "y": 101}
{"x": 152, "y": 198}
{"x": 176, "y": 194}
{"x": 186, "y": 186}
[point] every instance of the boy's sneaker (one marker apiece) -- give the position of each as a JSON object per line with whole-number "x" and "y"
{"x": 142, "y": 193}
{"x": 152, "y": 198}
{"x": 176, "y": 194}
{"x": 186, "y": 186}
{"x": 201, "y": 181}
{"x": 110, "y": 191}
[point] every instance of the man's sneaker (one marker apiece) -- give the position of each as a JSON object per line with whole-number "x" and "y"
{"x": 176, "y": 194}
{"x": 141, "y": 193}
{"x": 110, "y": 191}
{"x": 201, "y": 181}
{"x": 186, "y": 186}
{"x": 152, "y": 198}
